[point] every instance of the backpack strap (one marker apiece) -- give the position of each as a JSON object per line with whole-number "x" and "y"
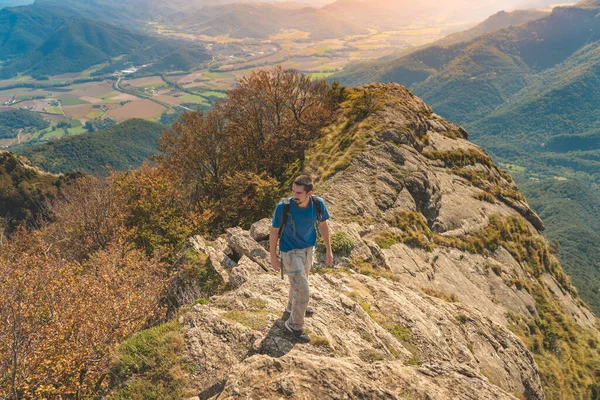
{"x": 287, "y": 216}
{"x": 317, "y": 202}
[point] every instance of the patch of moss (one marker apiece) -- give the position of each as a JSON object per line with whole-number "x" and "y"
{"x": 371, "y": 355}
{"x": 342, "y": 244}
{"x": 367, "y": 268}
{"x": 151, "y": 365}
{"x": 460, "y": 158}
{"x": 414, "y": 360}
{"x": 387, "y": 239}
{"x": 256, "y": 304}
{"x": 415, "y": 231}
{"x": 256, "y": 320}
{"x": 401, "y": 333}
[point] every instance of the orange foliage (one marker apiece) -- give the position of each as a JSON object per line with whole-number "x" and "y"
{"x": 61, "y": 318}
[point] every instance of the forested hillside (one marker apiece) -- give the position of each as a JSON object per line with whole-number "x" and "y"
{"x": 125, "y": 146}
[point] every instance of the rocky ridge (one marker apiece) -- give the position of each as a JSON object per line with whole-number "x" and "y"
{"x": 440, "y": 270}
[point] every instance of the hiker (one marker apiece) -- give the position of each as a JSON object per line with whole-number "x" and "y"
{"x": 295, "y": 221}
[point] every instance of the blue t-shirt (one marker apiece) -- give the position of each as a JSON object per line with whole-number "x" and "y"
{"x": 303, "y": 219}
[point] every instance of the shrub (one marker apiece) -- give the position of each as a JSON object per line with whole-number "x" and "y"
{"x": 342, "y": 243}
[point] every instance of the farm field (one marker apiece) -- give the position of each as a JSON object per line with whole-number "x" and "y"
{"x": 232, "y": 59}
{"x": 137, "y": 109}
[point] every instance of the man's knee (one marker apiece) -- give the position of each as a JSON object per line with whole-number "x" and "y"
{"x": 300, "y": 284}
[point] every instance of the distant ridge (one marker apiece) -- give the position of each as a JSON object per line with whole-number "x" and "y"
{"x": 43, "y": 41}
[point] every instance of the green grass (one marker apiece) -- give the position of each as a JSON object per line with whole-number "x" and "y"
{"x": 75, "y": 122}
{"x": 77, "y": 130}
{"x": 94, "y": 114}
{"x": 213, "y": 93}
{"x": 157, "y": 85}
{"x": 54, "y": 110}
{"x": 192, "y": 98}
{"x": 256, "y": 320}
{"x": 152, "y": 365}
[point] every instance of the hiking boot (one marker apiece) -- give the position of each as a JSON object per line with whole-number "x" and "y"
{"x": 308, "y": 313}
{"x": 299, "y": 334}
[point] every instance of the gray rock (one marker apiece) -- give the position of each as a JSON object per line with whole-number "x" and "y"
{"x": 261, "y": 230}
{"x": 242, "y": 272}
{"x": 242, "y": 244}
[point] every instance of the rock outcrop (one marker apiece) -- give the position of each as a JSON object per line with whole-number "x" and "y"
{"x": 425, "y": 305}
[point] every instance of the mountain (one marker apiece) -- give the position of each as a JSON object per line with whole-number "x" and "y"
{"x": 79, "y": 43}
{"x": 263, "y": 20}
{"x": 23, "y": 190}
{"x": 500, "y": 20}
{"x": 442, "y": 288}
{"x": 385, "y": 69}
{"x": 22, "y": 29}
{"x": 125, "y": 146}
{"x": 529, "y": 94}
{"x": 14, "y": 3}
{"x": 569, "y": 209}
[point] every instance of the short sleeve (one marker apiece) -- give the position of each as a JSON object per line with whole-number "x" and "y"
{"x": 277, "y": 216}
{"x": 324, "y": 216}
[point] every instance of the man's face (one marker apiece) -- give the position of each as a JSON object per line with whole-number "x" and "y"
{"x": 300, "y": 195}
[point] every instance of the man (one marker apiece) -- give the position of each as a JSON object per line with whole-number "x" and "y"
{"x": 298, "y": 240}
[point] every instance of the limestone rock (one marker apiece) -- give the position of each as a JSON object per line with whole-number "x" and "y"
{"x": 242, "y": 272}
{"x": 392, "y": 320}
{"x": 242, "y": 244}
{"x": 261, "y": 230}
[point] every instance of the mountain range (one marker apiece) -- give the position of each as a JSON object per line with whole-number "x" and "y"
{"x": 529, "y": 94}
{"x": 41, "y": 40}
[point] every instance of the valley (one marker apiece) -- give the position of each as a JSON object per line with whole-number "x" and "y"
{"x": 72, "y": 101}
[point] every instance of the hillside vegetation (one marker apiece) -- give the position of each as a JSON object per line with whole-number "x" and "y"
{"x": 528, "y": 94}
{"x": 12, "y": 121}
{"x": 123, "y": 147}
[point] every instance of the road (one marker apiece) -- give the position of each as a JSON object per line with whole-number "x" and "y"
{"x": 132, "y": 93}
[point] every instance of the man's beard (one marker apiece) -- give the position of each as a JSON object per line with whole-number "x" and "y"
{"x": 297, "y": 201}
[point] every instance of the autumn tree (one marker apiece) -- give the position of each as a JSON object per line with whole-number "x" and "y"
{"x": 232, "y": 160}
{"x": 60, "y": 318}
{"x": 274, "y": 115}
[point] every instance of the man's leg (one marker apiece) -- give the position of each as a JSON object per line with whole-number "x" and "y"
{"x": 299, "y": 286}
{"x": 308, "y": 261}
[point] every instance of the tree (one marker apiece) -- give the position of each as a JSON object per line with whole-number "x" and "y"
{"x": 247, "y": 143}
{"x": 61, "y": 318}
{"x": 273, "y": 116}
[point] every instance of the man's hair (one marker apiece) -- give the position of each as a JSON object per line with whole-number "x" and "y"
{"x": 304, "y": 181}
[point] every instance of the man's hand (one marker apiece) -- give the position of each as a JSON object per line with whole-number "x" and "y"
{"x": 329, "y": 259}
{"x": 276, "y": 264}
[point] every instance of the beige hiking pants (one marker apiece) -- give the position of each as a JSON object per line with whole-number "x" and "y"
{"x": 297, "y": 264}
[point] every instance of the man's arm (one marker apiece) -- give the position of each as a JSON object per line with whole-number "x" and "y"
{"x": 273, "y": 236}
{"x": 324, "y": 228}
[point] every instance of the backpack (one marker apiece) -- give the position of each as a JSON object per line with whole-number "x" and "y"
{"x": 287, "y": 214}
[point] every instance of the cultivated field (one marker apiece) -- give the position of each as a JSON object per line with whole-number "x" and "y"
{"x": 232, "y": 59}
{"x": 137, "y": 109}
